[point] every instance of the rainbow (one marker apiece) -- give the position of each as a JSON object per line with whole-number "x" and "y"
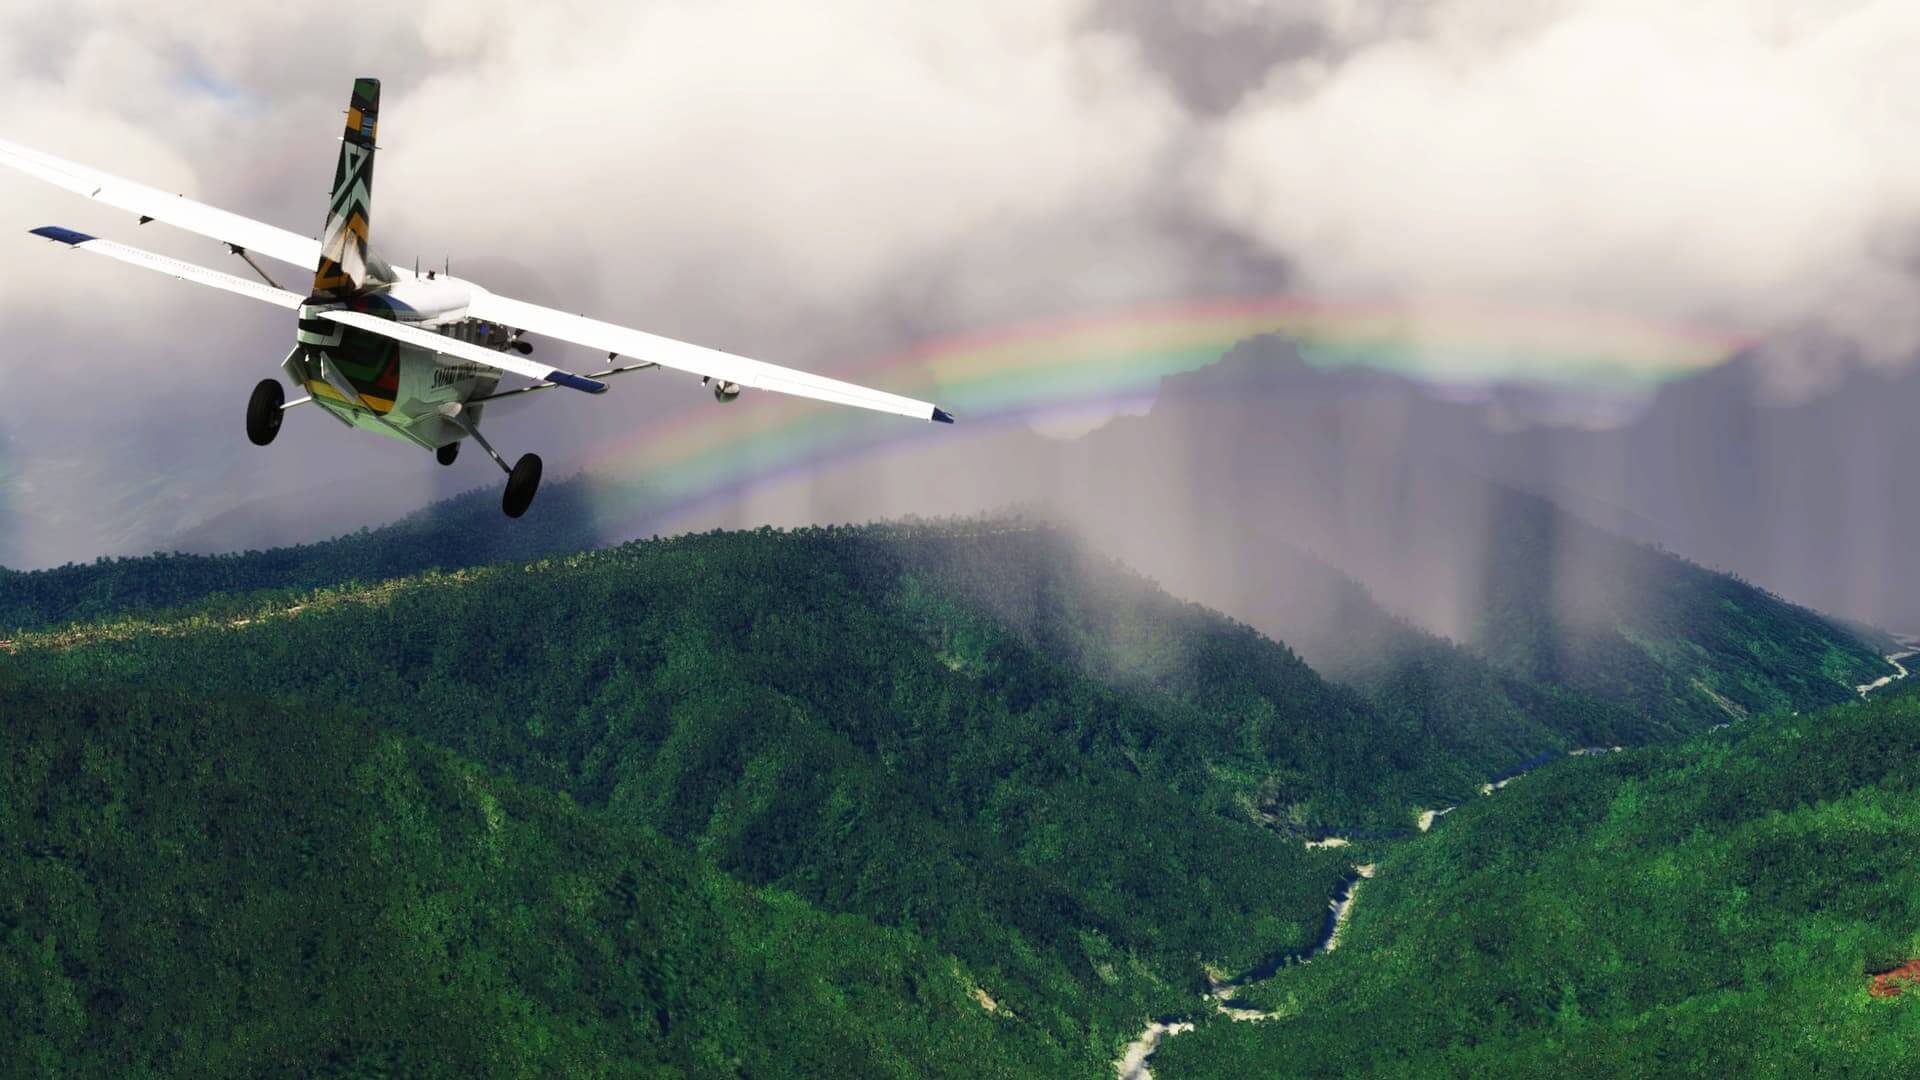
{"x": 1115, "y": 361}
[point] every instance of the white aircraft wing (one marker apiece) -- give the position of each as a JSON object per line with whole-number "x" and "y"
{"x": 462, "y": 350}
{"x": 175, "y": 210}
{"x": 185, "y": 271}
{"x": 411, "y": 335}
{"x": 707, "y": 363}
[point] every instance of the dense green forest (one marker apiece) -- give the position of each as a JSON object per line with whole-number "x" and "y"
{"x": 226, "y": 886}
{"x": 1092, "y": 614}
{"x": 462, "y": 531}
{"x": 1710, "y": 908}
{"x": 1662, "y": 646}
{"x": 814, "y": 722}
{"x": 971, "y": 756}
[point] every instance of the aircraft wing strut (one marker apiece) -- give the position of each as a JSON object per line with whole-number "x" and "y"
{"x": 462, "y": 350}
{"x": 411, "y": 335}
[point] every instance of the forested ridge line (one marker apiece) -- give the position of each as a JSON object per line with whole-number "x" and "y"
{"x": 1717, "y": 906}
{"x": 993, "y": 742}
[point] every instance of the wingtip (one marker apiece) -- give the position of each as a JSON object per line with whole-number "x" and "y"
{"x": 942, "y": 416}
{"x": 65, "y": 236}
{"x": 576, "y": 382}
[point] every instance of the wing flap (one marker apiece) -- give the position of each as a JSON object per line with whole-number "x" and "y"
{"x": 172, "y": 267}
{"x": 696, "y": 359}
{"x": 462, "y": 350}
{"x": 176, "y": 210}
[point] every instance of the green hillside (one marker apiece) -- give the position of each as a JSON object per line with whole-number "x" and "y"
{"x": 1438, "y": 716}
{"x": 215, "y": 887}
{"x": 814, "y": 722}
{"x": 1654, "y": 633}
{"x": 1659, "y": 647}
{"x": 967, "y": 756}
{"x": 1712, "y": 908}
{"x": 466, "y": 530}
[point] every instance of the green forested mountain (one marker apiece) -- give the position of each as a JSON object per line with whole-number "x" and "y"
{"x": 1655, "y": 646}
{"x": 815, "y": 718}
{"x": 968, "y": 757}
{"x": 1435, "y": 715}
{"x": 462, "y": 531}
{"x": 1655, "y": 633}
{"x": 1711, "y": 908}
{"x": 220, "y": 885}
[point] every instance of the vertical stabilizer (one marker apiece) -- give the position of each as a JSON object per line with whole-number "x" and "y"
{"x": 344, "y": 256}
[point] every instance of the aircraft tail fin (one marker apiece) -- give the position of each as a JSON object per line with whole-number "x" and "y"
{"x": 344, "y": 256}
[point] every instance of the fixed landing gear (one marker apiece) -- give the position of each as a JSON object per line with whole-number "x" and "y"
{"x": 264, "y": 411}
{"x": 522, "y": 481}
{"x": 523, "y": 477}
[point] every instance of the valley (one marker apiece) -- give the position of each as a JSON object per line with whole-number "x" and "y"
{"x": 845, "y": 723}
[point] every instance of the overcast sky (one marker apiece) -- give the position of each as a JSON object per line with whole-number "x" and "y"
{"x": 816, "y": 183}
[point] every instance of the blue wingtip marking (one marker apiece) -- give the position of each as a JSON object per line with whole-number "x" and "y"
{"x": 65, "y": 236}
{"x": 575, "y": 382}
{"x": 941, "y": 415}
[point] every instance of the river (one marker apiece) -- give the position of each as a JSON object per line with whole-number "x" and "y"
{"x": 1132, "y": 1064}
{"x": 1909, "y": 646}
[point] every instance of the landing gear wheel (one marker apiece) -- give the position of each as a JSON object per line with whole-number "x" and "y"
{"x": 522, "y": 482}
{"x": 263, "y": 411}
{"x": 447, "y": 453}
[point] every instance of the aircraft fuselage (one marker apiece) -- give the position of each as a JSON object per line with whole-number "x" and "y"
{"x": 390, "y": 387}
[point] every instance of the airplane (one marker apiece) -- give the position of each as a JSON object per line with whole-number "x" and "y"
{"x": 411, "y": 355}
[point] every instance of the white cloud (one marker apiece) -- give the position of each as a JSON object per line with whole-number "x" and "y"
{"x": 1726, "y": 159}
{"x": 740, "y": 154}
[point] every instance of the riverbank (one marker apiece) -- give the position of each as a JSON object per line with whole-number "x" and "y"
{"x": 1133, "y": 1062}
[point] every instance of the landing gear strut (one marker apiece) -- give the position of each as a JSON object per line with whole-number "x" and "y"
{"x": 447, "y": 453}
{"x": 264, "y": 411}
{"x": 523, "y": 478}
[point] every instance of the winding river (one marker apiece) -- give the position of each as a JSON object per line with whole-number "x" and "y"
{"x": 1909, "y": 646}
{"x": 1133, "y": 1061}
{"x": 1132, "y": 1064}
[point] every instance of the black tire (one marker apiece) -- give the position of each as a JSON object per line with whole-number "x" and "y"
{"x": 522, "y": 482}
{"x": 263, "y": 411}
{"x": 447, "y": 453}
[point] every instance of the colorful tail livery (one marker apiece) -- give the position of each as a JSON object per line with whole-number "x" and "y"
{"x": 343, "y": 248}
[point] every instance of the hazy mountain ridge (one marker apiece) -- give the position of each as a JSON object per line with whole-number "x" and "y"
{"x": 1242, "y": 466}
